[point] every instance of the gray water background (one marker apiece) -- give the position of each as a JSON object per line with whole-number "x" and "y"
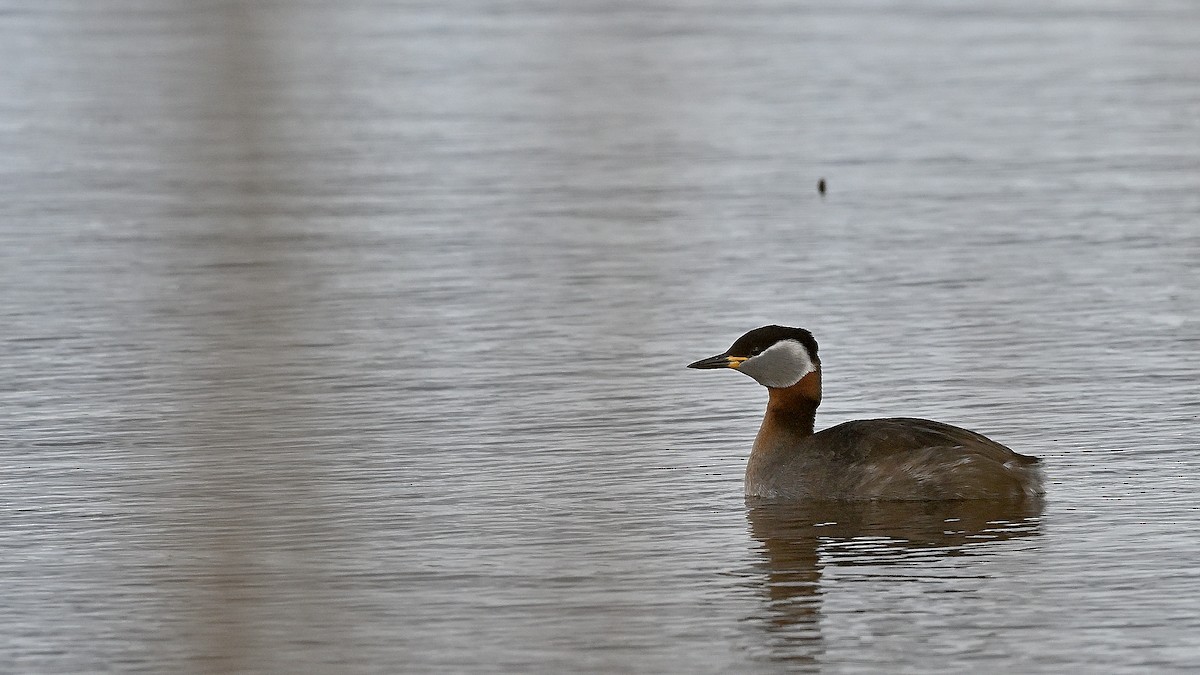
{"x": 349, "y": 337}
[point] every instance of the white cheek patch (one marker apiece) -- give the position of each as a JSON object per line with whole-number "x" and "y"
{"x": 783, "y": 364}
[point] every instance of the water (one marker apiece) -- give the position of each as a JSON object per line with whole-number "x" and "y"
{"x": 351, "y": 339}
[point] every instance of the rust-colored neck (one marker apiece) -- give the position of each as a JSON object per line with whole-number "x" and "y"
{"x": 793, "y": 410}
{"x": 791, "y": 413}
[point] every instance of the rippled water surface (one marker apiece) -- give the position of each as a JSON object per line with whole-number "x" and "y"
{"x": 349, "y": 337}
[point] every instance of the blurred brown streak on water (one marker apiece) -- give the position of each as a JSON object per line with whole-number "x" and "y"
{"x": 254, "y": 308}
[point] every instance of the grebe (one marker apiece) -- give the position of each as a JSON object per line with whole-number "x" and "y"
{"x": 880, "y": 459}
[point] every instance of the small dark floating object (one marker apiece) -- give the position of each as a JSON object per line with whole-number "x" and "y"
{"x": 821, "y": 186}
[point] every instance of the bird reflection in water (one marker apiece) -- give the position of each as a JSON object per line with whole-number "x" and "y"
{"x": 800, "y": 540}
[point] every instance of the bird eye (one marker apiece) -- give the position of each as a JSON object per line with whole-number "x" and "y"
{"x": 755, "y": 351}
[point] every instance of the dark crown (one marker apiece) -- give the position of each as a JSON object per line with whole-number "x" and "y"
{"x": 759, "y": 339}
